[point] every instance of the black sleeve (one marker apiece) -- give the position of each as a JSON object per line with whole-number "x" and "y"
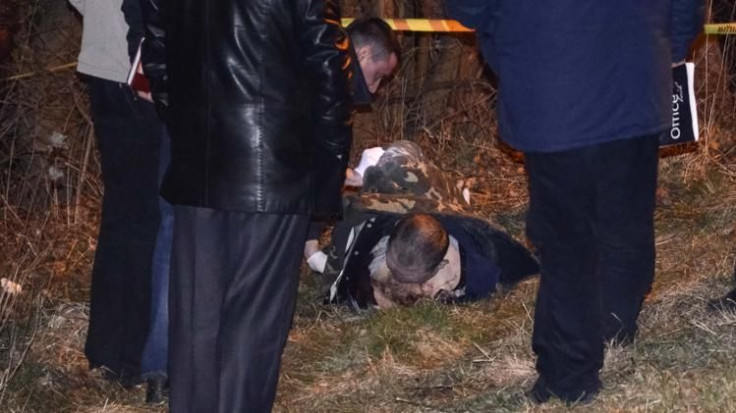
{"x": 132, "y": 12}
{"x": 153, "y": 51}
{"x": 327, "y": 63}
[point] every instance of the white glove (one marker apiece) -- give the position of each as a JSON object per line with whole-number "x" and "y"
{"x": 369, "y": 158}
{"x": 317, "y": 262}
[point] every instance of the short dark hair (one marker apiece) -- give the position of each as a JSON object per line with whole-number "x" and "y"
{"x": 376, "y": 33}
{"x": 416, "y": 247}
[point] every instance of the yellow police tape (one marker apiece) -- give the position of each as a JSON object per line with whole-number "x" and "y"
{"x": 438, "y": 25}
{"x": 420, "y": 25}
{"x": 722, "y": 29}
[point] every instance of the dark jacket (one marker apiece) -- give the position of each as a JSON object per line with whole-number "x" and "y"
{"x": 258, "y": 102}
{"x": 488, "y": 255}
{"x": 574, "y": 73}
{"x": 132, "y": 11}
{"x": 361, "y": 97}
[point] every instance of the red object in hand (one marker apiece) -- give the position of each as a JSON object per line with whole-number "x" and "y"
{"x": 136, "y": 79}
{"x": 139, "y": 83}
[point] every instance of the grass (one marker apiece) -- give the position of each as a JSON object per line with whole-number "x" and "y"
{"x": 436, "y": 358}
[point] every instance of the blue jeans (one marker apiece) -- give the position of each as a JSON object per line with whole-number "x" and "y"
{"x": 156, "y": 352}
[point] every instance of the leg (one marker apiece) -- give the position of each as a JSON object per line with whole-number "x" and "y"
{"x": 198, "y": 269}
{"x": 567, "y": 327}
{"x": 155, "y": 355}
{"x": 233, "y": 289}
{"x": 128, "y": 136}
{"x": 257, "y": 309}
{"x": 624, "y": 228}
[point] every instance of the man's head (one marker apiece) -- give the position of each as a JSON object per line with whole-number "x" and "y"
{"x": 416, "y": 248}
{"x": 377, "y": 49}
{"x": 422, "y": 261}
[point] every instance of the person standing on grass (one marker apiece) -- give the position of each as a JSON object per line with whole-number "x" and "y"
{"x": 585, "y": 91}
{"x": 128, "y": 135}
{"x": 255, "y": 95}
{"x": 154, "y": 361}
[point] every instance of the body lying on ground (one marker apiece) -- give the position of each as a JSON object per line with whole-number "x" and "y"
{"x": 410, "y": 234}
{"x": 379, "y": 265}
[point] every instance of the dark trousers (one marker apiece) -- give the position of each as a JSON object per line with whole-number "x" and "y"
{"x": 233, "y": 289}
{"x": 591, "y": 219}
{"x": 155, "y": 360}
{"x": 128, "y": 135}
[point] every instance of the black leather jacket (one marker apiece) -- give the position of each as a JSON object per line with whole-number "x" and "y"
{"x": 132, "y": 12}
{"x": 256, "y": 99}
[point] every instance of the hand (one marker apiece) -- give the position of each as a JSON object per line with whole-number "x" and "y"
{"x": 310, "y": 247}
{"x": 144, "y": 95}
{"x": 353, "y": 178}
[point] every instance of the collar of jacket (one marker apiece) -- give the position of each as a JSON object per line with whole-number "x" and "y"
{"x": 361, "y": 96}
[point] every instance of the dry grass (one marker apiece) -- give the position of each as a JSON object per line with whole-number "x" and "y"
{"x": 429, "y": 358}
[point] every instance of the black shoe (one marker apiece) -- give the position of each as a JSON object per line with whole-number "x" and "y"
{"x": 537, "y": 397}
{"x": 125, "y": 378}
{"x": 156, "y": 389}
{"x": 725, "y": 303}
{"x": 129, "y": 381}
{"x": 540, "y": 394}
